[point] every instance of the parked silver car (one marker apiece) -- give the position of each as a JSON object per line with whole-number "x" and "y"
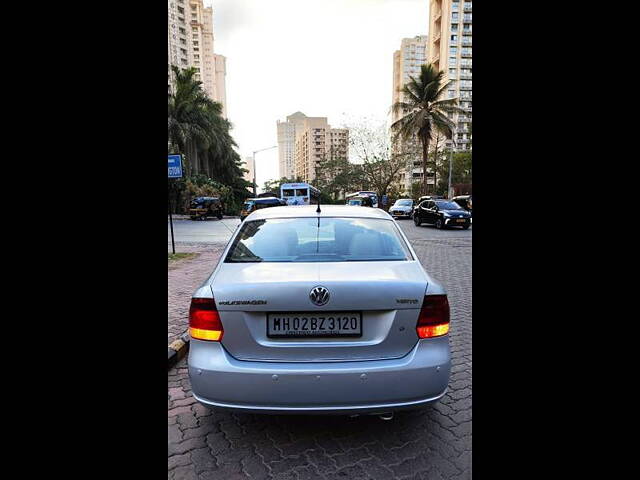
{"x": 402, "y": 208}
{"x": 325, "y": 312}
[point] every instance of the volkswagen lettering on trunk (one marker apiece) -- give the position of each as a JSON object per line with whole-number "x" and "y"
{"x": 329, "y": 296}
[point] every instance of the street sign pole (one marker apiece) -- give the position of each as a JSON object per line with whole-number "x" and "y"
{"x": 173, "y": 243}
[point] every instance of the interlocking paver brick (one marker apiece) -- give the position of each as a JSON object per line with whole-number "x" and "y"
{"x": 432, "y": 443}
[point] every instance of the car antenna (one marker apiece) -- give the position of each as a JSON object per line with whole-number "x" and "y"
{"x": 318, "y": 209}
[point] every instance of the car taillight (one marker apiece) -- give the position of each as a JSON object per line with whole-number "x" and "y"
{"x": 204, "y": 320}
{"x": 434, "y": 317}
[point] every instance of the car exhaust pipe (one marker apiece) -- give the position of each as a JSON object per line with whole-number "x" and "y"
{"x": 386, "y": 416}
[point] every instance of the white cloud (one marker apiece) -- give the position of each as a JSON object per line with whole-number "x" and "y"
{"x": 330, "y": 58}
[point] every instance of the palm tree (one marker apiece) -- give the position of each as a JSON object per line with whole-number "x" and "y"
{"x": 425, "y": 112}
{"x": 193, "y": 124}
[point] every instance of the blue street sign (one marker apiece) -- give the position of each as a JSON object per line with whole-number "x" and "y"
{"x": 175, "y": 166}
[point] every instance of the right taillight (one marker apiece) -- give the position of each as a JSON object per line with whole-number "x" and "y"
{"x": 434, "y": 317}
{"x": 204, "y": 320}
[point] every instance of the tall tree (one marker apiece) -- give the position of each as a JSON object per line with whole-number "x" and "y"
{"x": 191, "y": 118}
{"x": 424, "y": 111}
{"x": 380, "y": 165}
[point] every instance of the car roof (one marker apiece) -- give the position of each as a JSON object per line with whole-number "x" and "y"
{"x": 262, "y": 199}
{"x": 294, "y": 211}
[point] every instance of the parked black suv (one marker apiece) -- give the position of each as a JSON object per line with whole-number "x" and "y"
{"x": 442, "y": 214}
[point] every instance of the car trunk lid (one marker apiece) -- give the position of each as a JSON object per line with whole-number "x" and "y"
{"x": 388, "y": 295}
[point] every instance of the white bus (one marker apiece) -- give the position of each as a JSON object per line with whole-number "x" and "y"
{"x": 372, "y": 195}
{"x": 299, "y": 194}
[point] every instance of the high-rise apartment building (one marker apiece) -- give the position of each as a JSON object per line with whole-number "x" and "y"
{"x": 191, "y": 45}
{"x": 248, "y": 165}
{"x": 179, "y": 38}
{"x": 220, "y": 88}
{"x": 406, "y": 64}
{"x": 450, "y": 50}
{"x": 317, "y": 141}
{"x": 287, "y": 143}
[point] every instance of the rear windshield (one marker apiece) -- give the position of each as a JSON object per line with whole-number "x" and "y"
{"x": 318, "y": 240}
{"x": 404, "y": 203}
{"x": 448, "y": 205}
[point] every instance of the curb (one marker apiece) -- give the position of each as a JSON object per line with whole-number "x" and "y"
{"x": 178, "y": 349}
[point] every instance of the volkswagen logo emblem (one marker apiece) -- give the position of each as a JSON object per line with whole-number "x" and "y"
{"x": 319, "y": 296}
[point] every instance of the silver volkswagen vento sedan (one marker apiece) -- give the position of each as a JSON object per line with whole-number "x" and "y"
{"x": 319, "y": 312}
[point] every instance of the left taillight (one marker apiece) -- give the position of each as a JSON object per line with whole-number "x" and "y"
{"x": 434, "y": 317}
{"x": 204, "y": 320}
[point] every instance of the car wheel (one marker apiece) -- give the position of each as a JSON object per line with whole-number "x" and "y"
{"x": 416, "y": 220}
{"x": 439, "y": 223}
{"x": 466, "y": 227}
{"x": 219, "y": 216}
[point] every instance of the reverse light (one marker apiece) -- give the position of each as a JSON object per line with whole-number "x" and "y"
{"x": 204, "y": 320}
{"x": 434, "y": 317}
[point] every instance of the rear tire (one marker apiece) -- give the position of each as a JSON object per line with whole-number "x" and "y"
{"x": 416, "y": 220}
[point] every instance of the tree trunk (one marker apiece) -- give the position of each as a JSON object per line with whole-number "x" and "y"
{"x": 425, "y": 154}
{"x": 435, "y": 166}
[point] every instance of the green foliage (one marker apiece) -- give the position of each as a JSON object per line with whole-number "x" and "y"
{"x": 460, "y": 172}
{"x": 197, "y": 130}
{"x": 336, "y": 177}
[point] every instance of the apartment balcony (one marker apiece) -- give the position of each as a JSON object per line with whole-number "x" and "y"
{"x": 466, "y": 63}
{"x": 466, "y": 32}
{"x": 466, "y": 42}
{"x": 465, "y": 76}
{"x": 467, "y": 54}
{"x": 467, "y": 19}
{"x": 467, "y": 7}
{"x": 465, "y": 87}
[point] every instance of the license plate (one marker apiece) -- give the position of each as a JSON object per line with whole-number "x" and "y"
{"x": 460, "y": 220}
{"x": 314, "y": 324}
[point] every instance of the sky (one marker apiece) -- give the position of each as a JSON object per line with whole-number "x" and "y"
{"x": 325, "y": 58}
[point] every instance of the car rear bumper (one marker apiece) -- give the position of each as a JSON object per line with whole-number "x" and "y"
{"x": 401, "y": 214}
{"x": 218, "y": 380}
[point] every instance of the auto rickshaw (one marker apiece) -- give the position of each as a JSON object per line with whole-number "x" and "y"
{"x": 203, "y": 207}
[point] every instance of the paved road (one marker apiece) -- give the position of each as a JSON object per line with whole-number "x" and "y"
{"x": 434, "y": 443}
{"x": 211, "y": 231}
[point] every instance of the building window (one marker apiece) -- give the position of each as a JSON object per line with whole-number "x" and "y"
{"x": 454, "y": 16}
{"x": 454, "y": 27}
{"x": 454, "y": 39}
